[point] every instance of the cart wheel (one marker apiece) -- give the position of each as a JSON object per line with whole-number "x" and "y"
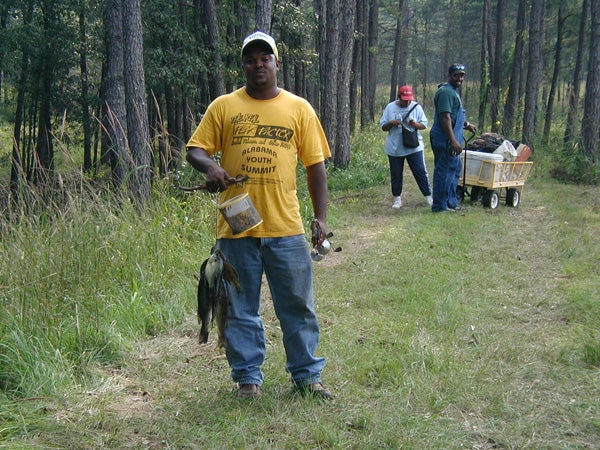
{"x": 490, "y": 199}
{"x": 460, "y": 193}
{"x": 475, "y": 193}
{"x": 513, "y": 197}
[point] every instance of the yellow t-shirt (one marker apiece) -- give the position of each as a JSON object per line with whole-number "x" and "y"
{"x": 263, "y": 139}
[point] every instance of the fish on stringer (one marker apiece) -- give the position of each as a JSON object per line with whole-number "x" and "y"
{"x": 215, "y": 276}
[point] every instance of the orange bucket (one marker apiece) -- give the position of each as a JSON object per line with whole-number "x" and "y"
{"x": 523, "y": 153}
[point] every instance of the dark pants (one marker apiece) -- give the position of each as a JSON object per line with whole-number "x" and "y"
{"x": 416, "y": 162}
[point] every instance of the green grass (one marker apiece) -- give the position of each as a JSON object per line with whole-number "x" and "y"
{"x": 470, "y": 330}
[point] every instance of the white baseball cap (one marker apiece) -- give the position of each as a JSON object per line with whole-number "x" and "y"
{"x": 264, "y": 37}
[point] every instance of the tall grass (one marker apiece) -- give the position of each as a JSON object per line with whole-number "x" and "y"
{"x": 77, "y": 289}
{"x": 368, "y": 165}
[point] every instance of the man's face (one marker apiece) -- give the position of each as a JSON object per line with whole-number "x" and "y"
{"x": 260, "y": 67}
{"x": 456, "y": 79}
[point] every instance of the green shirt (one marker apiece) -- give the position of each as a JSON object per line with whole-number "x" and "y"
{"x": 447, "y": 100}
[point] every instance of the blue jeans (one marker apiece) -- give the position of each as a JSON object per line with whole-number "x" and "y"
{"x": 453, "y": 199}
{"x": 416, "y": 162}
{"x": 446, "y": 172}
{"x": 288, "y": 268}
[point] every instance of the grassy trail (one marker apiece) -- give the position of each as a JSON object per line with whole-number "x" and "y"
{"x": 478, "y": 329}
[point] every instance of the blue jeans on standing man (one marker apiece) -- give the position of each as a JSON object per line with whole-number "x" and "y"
{"x": 446, "y": 173}
{"x": 288, "y": 268}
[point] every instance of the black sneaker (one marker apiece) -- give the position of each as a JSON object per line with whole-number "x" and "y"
{"x": 316, "y": 390}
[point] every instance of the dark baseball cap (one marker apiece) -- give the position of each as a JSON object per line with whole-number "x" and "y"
{"x": 456, "y": 68}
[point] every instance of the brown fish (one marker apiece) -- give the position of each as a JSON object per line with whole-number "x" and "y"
{"x": 216, "y": 274}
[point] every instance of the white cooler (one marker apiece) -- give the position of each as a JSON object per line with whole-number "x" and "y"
{"x": 474, "y": 160}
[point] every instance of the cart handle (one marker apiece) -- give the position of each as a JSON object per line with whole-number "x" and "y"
{"x": 464, "y": 174}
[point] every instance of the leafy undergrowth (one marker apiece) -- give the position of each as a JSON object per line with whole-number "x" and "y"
{"x": 476, "y": 329}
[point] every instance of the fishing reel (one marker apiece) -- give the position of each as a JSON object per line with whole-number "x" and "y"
{"x": 318, "y": 252}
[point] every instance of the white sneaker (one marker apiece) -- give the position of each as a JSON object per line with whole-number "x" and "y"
{"x": 397, "y": 203}
{"x": 429, "y": 200}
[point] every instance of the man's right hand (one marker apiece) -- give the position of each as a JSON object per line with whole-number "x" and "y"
{"x": 217, "y": 179}
{"x": 456, "y": 148}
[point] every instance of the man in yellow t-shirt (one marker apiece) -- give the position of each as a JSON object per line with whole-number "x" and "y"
{"x": 262, "y": 131}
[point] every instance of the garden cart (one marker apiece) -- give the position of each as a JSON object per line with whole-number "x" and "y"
{"x": 488, "y": 177}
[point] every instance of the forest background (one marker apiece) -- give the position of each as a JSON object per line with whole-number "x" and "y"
{"x": 99, "y": 244}
{"x": 114, "y": 88}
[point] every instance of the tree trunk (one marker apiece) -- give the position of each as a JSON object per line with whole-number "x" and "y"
{"x": 16, "y": 171}
{"x": 426, "y": 58}
{"x": 448, "y": 30}
{"x": 372, "y": 42}
{"x": 513, "y": 97}
{"x": 342, "y": 141}
{"x": 116, "y": 114}
{"x": 138, "y": 133}
{"x": 400, "y": 57}
{"x": 369, "y": 63}
{"x": 217, "y": 80}
{"x": 331, "y": 71}
{"x": 496, "y": 69}
{"x": 396, "y": 58}
{"x": 404, "y": 45}
{"x": 44, "y": 150}
{"x": 286, "y": 62}
{"x": 363, "y": 31}
{"x": 321, "y": 38}
{"x": 45, "y": 140}
{"x": 3, "y": 25}
{"x": 554, "y": 84}
{"x": 534, "y": 71}
{"x": 590, "y": 128}
{"x": 576, "y": 81}
{"x": 299, "y": 42}
{"x": 355, "y": 75}
{"x": 264, "y": 12}
{"x": 486, "y": 62}
{"x": 86, "y": 119}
